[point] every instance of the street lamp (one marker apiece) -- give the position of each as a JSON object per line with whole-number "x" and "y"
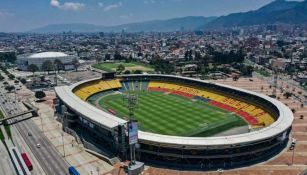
{"x": 42, "y": 122}
{"x": 63, "y": 144}
{"x": 293, "y": 155}
{"x": 97, "y": 169}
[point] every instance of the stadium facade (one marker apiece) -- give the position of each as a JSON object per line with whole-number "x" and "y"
{"x": 23, "y": 61}
{"x": 100, "y": 128}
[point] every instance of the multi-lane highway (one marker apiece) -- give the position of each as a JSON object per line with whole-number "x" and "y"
{"x": 50, "y": 160}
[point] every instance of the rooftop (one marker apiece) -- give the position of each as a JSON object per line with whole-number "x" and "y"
{"x": 48, "y": 55}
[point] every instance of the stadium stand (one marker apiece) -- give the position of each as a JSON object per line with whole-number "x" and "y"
{"x": 86, "y": 90}
{"x": 250, "y": 113}
{"x": 253, "y": 115}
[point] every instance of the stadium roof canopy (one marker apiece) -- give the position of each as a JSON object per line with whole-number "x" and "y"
{"x": 48, "y": 55}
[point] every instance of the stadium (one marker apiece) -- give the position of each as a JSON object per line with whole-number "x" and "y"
{"x": 23, "y": 61}
{"x": 183, "y": 122}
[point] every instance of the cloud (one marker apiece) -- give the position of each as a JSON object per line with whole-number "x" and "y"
{"x": 149, "y": 2}
{"x": 5, "y": 15}
{"x": 130, "y": 15}
{"x": 112, "y": 6}
{"x": 74, "y": 6}
{"x": 100, "y": 4}
{"x": 55, "y": 3}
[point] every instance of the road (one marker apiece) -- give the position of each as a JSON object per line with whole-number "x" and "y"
{"x": 50, "y": 160}
{"x": 6, "y": 166}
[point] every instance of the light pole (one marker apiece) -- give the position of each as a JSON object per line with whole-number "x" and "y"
{"x": 293, "y": 155}
{"x": 97, "y": 169}
{"x": 131, "y": 101}
{"x": 42, "y": 123}
{"x": 63, "y": 144}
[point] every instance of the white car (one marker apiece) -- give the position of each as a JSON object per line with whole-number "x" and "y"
{"x": 38, "y": 145}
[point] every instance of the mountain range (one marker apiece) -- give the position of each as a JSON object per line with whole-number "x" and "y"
{"x": 184, "y": 23}
{"x": 276, "y": 12}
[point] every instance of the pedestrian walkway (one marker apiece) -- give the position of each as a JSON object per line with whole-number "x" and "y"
{"x": 64, "y": 143}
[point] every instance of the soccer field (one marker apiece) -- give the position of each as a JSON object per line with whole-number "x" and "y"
{"x": 128, "y": 66}
{"x": 174, "y": 115}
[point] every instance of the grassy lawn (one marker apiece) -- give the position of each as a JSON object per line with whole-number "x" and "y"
{"x": 6, "y": 127}
{"x": 264, "y": 72}
{"x": 109, "y": 67}
{"x": 174, "y": 115}
{"x": 1, "y": 134}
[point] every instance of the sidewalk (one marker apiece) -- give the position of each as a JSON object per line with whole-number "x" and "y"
{"x": 75, "y": 154}
{"x": 6, "y": 166}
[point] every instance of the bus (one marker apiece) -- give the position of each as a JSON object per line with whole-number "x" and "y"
{"x": 72, "y": 171}
{"x": 27, "y": 161}
{"x": 18, "y": 163}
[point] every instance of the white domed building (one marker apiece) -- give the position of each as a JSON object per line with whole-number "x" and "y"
{"x": 23, "y": 61}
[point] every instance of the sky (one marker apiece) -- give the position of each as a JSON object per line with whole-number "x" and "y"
{"x": 24, "y": 15}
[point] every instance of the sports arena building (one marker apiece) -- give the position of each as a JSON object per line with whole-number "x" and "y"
{"x": 269, "y": 122}
{"x": 23, "y": 61}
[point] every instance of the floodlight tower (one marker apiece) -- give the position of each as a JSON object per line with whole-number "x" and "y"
{"x": 130, "y": 100}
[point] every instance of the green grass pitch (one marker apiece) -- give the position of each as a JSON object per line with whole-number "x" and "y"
{"x": 169, "y": 114}
{"x": 128, "y": 66}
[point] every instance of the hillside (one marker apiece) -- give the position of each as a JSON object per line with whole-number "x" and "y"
{"x": 277, "y": 12}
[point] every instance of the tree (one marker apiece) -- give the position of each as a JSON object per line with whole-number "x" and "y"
{"x": 1, "y": 78}
{"x": 9, "y": 88}
{"x": 127, "y": 72}
{"x": 163, "y": 66}
{"x": 47, "y": 66}
{"x": 33, "y": 68}
{"x": 120, "y": 68}
{"x": 58, "y": 64}
{"x": 235, "y": 78}
{"x": 23, "y": 81}
{"x": 8, "y": 56}
{"x": 138, "y": 72}
{"x": 40, "y": 94}
{"x": 11, "y": 76}
{"x": 76, "y": 64}
{"x": 287, "y": 95}
{"x": 117, "y": 56}
{"x": 246, "y": 70}
{"x": 293, "y": 111}
{"x": 107, "y": 56}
